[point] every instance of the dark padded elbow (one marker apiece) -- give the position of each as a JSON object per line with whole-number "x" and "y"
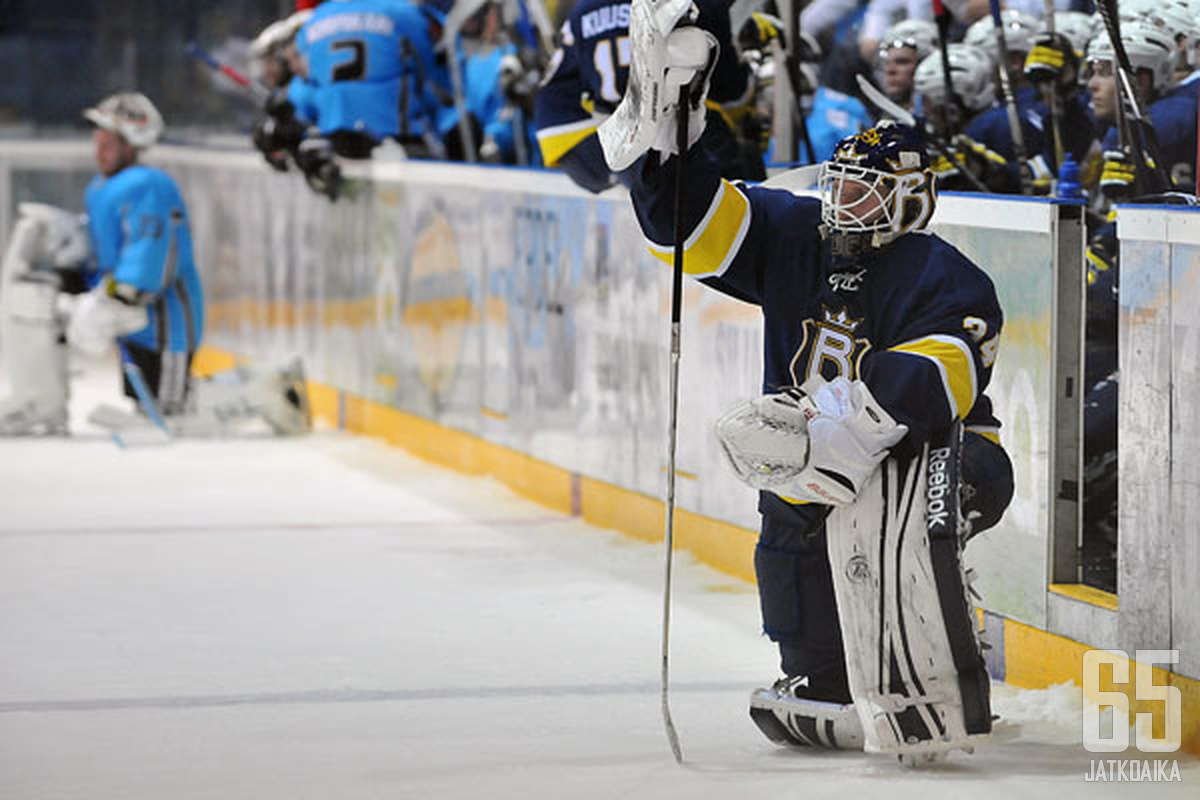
{"x": 585, "y": 165}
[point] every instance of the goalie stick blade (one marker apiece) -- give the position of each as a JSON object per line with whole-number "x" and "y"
{"x": 800, "y": 179}
{"x": 885, "y": 103}
{"x": 126, "y": 429}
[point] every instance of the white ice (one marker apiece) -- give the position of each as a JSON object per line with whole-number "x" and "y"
{"x": 328, "y": 617}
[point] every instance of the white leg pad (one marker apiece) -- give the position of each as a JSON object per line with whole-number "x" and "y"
{"x": 31, "y": 334}
{"x": 915, "y": 667}
{"x": 225, "y": 402}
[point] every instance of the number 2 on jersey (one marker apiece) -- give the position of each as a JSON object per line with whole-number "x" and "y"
{"x": 354, "y": 68}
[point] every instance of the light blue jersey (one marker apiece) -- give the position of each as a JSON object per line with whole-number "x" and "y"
{"x": 141, "y": 237}
{"x": 303, "y": 97}
{"x": 834, "y": 116}
{"x": 372, "y": 65}
{"x": 500, "y": 120}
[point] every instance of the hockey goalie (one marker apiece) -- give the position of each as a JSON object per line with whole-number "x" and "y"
{"x": 873, "y": 445}
{"x": 123, "y": 277}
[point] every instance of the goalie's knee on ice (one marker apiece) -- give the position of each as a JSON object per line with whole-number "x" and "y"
{"x": 795, "y": 588}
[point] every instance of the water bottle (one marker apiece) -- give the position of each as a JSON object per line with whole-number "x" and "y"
{"x": 1068, "y": 178}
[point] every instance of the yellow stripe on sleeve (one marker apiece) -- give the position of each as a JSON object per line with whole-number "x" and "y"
{"x": 557, "y": 140}
{"x": 710, "y": 249}
{"x": 992, "y": 434}
{"x": 955, "y": 364}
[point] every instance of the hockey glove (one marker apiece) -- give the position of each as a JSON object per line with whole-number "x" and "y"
{"x": 106, "y": 312}
{"x": 1039, "y": 173}
{"x": 818, "y": 443}
{"x": 663, "y": 58}
{"x": 321, "y": 171}
{"x": 519, "y": 79}
{"x": 279, "y": 132}
{"x": 759, "y": 30}
{"x": 691, "y": 56}
{"x": 983, "y": 162}
{"x": 1052, "y": 60}
{"x": 62, "y": 240}
{"x": 1118, "y": 176}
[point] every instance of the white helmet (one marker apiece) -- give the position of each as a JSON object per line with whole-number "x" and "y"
{"x": 130, "y": 115}
{"x": 279, "y": 34}
{"x": 1078, "y": 27}
{"x": 970, "y": 75}
{"x": 1020, "y": 30}
{"x": 1179, "y": 18}
{"x": 919, "y": 34}
{"x": 1149, "y": 47}
{"x": 1192, "y": 7}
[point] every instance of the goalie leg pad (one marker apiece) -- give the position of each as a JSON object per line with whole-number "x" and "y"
{"x": 35, "y": 356}
{"x": 915, "y": 667}
{"x": 222, "y": 403}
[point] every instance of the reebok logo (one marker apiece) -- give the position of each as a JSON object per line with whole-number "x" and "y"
{"x": 937, "y": 490}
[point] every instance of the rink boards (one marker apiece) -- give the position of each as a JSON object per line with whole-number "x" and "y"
{"x": 504, "y": 322}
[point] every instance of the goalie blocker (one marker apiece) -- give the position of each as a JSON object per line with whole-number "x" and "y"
{"x": 916, "y": 672}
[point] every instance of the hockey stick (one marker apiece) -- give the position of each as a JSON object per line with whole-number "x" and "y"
{"x": 796, "y": 78}
{"x": 1010, "y": 100}
{"x": 902, "y": 115}
{"x": 1146, "y": 142}
{"x": 145, "y": 399}
{"x": 1050, "y": 93}
{"x": 942, "y": 16}
{"x": 458, "y": 16}
{"x": 681, "y": 143}
{"x": 255, "y": 89}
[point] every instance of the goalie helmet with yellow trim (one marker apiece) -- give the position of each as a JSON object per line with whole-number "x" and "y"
{"x": 876, "y": 188}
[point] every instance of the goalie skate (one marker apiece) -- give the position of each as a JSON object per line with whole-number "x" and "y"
{"x": 788, "y": 719}
{"x": 19, "y": 417}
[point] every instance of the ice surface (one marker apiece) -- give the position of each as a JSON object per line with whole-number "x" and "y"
{"x": 330, "y": 618}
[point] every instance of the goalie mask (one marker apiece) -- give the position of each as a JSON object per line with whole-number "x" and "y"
{"x": 876, "y": 188}
{"x": 131, "y": 116}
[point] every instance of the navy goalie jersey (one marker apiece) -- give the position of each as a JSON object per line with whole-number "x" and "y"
{"x": 916, "y": 320}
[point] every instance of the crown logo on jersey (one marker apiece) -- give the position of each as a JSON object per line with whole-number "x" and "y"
{"x": 829, "y": 347}
{"x": 841, "y": 320}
